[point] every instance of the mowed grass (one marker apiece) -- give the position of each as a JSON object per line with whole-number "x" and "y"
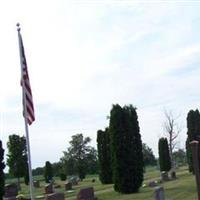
{"x": 183, "y": 188}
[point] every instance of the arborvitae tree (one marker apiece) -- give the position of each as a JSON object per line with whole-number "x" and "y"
{"x": 189, "y": 155}
{"x": 26, "y": 175}
{"x": 104, "y": 154}
{"x": 126, "y": 149}
{"x": 193, "y": 125}
{"x": 17, "y": 156}
{"x": 164, "y": 157}
{"x": 2, "y": 176}
{"x": 48, "y": 172}
{"x": 63, "y": 177}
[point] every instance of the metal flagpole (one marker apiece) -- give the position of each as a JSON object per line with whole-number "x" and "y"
{"x": 25, "y": 119}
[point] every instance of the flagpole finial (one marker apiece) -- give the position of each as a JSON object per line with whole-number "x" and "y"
{"x": 18, "y": 26}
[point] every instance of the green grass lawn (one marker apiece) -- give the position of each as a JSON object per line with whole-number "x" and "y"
{"x": 183, "y": 188}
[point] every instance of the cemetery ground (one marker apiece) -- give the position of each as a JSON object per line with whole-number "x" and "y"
{"x": 183, "y": 188}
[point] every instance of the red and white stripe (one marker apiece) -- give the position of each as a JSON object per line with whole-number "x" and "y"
{"x": 25, "y": 82}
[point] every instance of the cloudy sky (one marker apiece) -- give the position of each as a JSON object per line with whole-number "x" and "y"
{"x": 84, "y": 56}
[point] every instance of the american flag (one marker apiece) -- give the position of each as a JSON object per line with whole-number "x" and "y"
{"x": 27, "y": 94}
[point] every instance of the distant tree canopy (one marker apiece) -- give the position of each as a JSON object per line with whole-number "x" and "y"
{"x": 80, "y": 158}
{"x": 126, "y": 149}
{"x": 68, "y": 164}
{"x": 48, "y": 172}
{"x": 164, "y": 156}
{"x": 2, "y": 176}
{"x": 180, "y": 157}
{"x": 57, "y": 168}
{"x": 92, "y": 161}
{"x": 104, "y": 155}
{"x": 193, "y": 133}
{"x": 38, "y": 171}
{"x": 149, "y": 158}
{"x": 17, "y": 149}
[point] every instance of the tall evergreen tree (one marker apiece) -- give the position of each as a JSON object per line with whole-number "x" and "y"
{"x": 164, "y": 156}
{"x": 2, "y": 176}
{"x": 193, "y": 133}
{"x": 26, "y": 175}
{"x": 48, "y": 172}
{"x": 104, "y": 154}
{"x": 17, "y": 156}
{"x": 126, "y": 149}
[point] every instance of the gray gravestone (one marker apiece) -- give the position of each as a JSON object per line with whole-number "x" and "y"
{"x": 11, "y": 190}
{"x": 152, "y": 183}
{"x": 55, "y": 196}
{"x": 173, "y": 175}
{"x": 74, "y": 180}
{"x": 36, "y": 184}
{"x": 164, "y": 176}
{"x": 49, "y": 188}
{"x": 68, "y": 186}
{"x": 9, "y": 198}
{"x": 159, "y": 193}
{"x": 86, "y": 194}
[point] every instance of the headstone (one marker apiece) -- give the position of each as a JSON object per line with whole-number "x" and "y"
{"x": 159, "y": 193}
{"x": 152, "y": 184}
{"x": 173, "y": 174}
{"x": 78, "y": 180}
{"x": 74, "y": 180}
{"x": 86, "y": 194}
{"x": 52, "y": 181}
{"x": 164, "y": 176}
{"x": 49, "y": 188}
{"x": 55, "y": 196}
{"x": 11, "y": 190}
{"x": 68, "y": 186}
{"x": 36, "y": 184}
{"x": 9, "y": 198}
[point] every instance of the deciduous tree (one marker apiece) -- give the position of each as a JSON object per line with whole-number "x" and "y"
{"x": 172, "y": 130}
{"x": 17, "y": 156}
{"x": 78, "y": 156}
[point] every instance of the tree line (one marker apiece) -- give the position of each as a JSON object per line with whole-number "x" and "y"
{"x": 120, "y": 157}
